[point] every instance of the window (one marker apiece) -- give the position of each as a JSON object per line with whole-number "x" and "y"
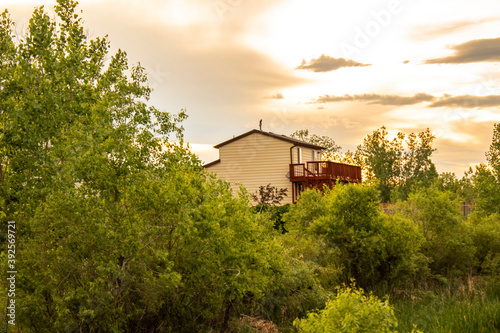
{"x": 299, "y": 155}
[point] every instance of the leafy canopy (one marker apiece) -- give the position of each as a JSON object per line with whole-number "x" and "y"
{"x": 398, "y": 164}
{"x": 121, "y": 229}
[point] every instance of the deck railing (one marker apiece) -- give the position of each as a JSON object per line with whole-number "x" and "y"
{"x": 325, "y": 170}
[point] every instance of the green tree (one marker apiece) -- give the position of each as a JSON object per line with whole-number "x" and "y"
{"x": 493, "y": 154}
{"x": 121, "y": 229}
{"x": 331, "y": 148}
{"x": 269, "y": 195}
{"x": 461, "y": 189}
{"x": 398, "y": 164}
{"x": 354, "y": 239}
{"x": 332, "y": 151}
{"x": 268, "y": 199}
{"x": 65, "y": 116}
{"x": 487, "y": 178}
{"x": 485, "y": 232}
{"x": 447, "y": 240}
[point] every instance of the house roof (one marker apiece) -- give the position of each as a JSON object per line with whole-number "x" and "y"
{"x": 212, "y": 163}
{"x": 272, "y": 135}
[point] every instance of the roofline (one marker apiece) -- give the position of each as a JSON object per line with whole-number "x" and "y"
{"x": 272, "y": 135}
{"x": 212, "y": 163}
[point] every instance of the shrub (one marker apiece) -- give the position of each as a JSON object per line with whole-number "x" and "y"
{"x": 357, "y": 240}
{"x": 351, "y": 310}
{"x": 447, "y": 243}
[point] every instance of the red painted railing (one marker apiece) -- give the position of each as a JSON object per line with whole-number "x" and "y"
{"x": 325, "y": 170}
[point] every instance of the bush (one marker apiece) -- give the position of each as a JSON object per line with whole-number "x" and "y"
{"x": 351, "y": 310}
{"x": 357, "y": 240}
{"x": 447, "y": 243}
{"x": 485, "y": 233}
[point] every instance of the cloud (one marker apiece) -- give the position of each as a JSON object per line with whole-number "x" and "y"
{"x": 462, "y": 101}
{"x": 219, "y": 81}
{"x": 327, "y": 64}
{"x": 478, "y": 50}
{"x": 377, "y": 99}
{"x": 278, "y": 95}
{"x": 429, "y": 32}
{"x": 467, "y": 101}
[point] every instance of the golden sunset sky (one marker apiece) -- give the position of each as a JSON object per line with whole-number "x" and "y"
{"x": 337, "y": 68}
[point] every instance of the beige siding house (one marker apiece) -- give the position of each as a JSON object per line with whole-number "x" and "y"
{"x": 257, "y": 158}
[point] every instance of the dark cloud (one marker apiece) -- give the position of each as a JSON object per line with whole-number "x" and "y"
{"x": 429, "y": 32}
{"x": 275, "y": 96}
{"x": 377, "y": 99}
{"x": 327, "y": 64}
{"x": 478, "y": 50}
{"x": 467, "y": 101}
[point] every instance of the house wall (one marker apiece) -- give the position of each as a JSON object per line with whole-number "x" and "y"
{"x": 307, "y": 154}
{"x": 257, "y": 160}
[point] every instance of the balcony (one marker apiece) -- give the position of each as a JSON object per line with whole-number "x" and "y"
{"x": 324, "y": 172}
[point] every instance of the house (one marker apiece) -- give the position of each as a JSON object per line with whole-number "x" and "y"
{"x": 257, "y": 158}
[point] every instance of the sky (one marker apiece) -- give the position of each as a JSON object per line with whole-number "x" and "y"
{"x": 337, "y": 68}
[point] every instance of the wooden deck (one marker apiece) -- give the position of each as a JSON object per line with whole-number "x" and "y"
{"x": 325, "y": 171}
{"x": 321, "y": 173}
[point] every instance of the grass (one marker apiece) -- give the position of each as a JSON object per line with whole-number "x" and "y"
{"x": 466, "y": 307}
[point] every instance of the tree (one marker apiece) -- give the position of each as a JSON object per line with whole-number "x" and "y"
{"x": 487, "y": 187}
{"x": 268, "y": 199}
{"x": 462, "y": 189}
{"x": 355, "y": 240}
{"x": 121, "y": 228}
{"x": 269, "y": 195}
{"x": 331, "y": 148}
{"x": 493, "y": 154}
{"x": 398, "y": 164}
{"x": 487, "y": 178}
{"x": 447, "y": 241}
{"x": 62, "y": 107}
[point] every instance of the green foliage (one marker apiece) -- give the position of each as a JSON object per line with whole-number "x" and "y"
{"x": 274, "y": 214}
{"x": 331, "y": 148}
{"x": 447, "y": 242}
{"x": 121, "y": 229}
{"x": 461, "y": 189}
{"x": 487, "y": 178}
{"x": 294, "y": 293}
{"x": 355, "y": 239}
{"x": 493, "y": 154}
{"x": 66, "y": 116}
{"x": 465, "y": 308}
{"x": 268, "y": 200}
{"x": 485, "y": 233}
{"x": 488, "y": 191}
{"x": 398, "y": 164}
{"x": 177, "y": 252}
{"x": 351, "y": 310}
{"x": 269, "y": 195}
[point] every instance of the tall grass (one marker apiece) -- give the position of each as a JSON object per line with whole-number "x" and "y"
{"x": 464, "y": 307}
